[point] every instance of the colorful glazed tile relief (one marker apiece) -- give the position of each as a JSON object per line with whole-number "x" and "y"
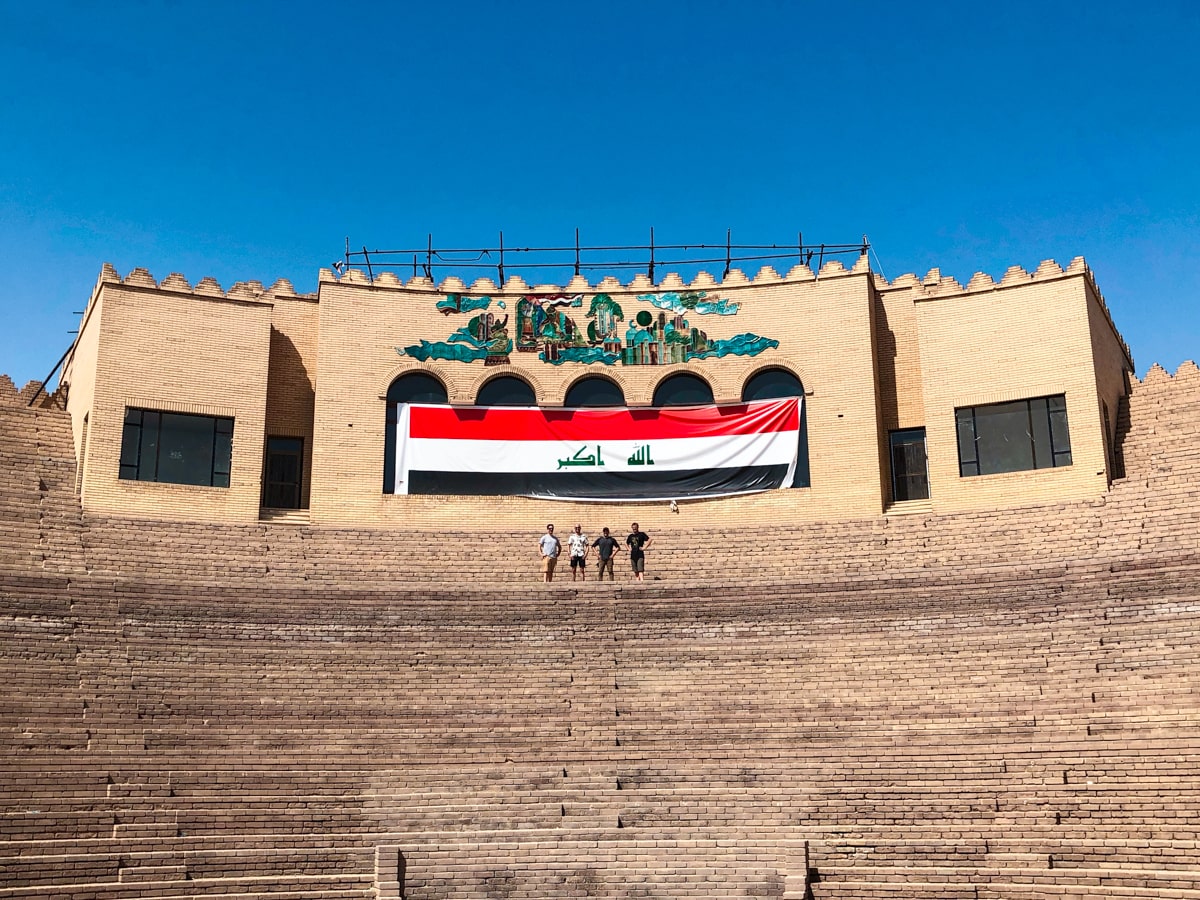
{"x": 543, "y": 326}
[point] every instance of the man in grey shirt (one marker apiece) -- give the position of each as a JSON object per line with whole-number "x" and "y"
{"x": 550, "y": 548}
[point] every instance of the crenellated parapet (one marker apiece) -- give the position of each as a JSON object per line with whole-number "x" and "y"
{"x": 936, "y": 286}
{"x": 30, "y": 395}
{"x": 1186, "y": 377}
{"x": 208, "y": 287}
{"x": 671, "y": 281}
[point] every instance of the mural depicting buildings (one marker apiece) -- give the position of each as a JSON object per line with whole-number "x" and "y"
{"x": 543, "y": 326}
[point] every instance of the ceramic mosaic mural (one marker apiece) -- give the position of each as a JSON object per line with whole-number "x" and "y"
{"x": 546, "y": 324}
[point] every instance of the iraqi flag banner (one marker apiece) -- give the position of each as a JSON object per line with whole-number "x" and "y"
{"x": 616, "y": 455}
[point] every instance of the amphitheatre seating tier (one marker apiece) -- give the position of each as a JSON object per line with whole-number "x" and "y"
{"x": 1000, "y": 704}
{"x": 39, "y": 512}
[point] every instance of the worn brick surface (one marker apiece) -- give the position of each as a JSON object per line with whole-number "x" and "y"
{"x": 997, "y": 703}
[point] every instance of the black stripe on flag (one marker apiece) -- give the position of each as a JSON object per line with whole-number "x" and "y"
{"x": 633, "y": 486}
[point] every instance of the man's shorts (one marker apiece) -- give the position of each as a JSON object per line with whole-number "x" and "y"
{"x": 578, "y": 561}
{"x": 639, "y": 563}
{"x": 548, "y": 563}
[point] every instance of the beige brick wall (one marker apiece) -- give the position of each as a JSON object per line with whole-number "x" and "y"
{"x": 873, "y": 356}
{"x": 172, "y": 350}
{"x": 79, "y": 370}
{"x": 1114, "y": 368}
{"x": 823, "y": 326}
{"x": 291, "y": 375}
{"x": 901, "y": 392}
{"x": 1026, "y": 336}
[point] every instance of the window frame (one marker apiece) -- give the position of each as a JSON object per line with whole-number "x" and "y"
{"x": 898, "y": 440}
{"x": 137, "y": 441}
{"x": 1054, "y": 454}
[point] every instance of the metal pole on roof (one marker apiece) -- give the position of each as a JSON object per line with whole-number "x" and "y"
{"x": 500, "y": 267}
{"x": 652, "y": 254}
{"x": 49, "y": 375}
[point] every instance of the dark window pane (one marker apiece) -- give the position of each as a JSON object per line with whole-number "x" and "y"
{"x": 148, "y": 454}
{"x": 967, "y": 458}
{"x": 416, "y": 387}
{"x": 594, "y": 392}
{"x": 772, "y": 384}
{"x": 1060, "y": 435}
{"x": 1039, "y": 421}
{"x": 1013, "y": 437}
{"x": 176, "y": 448}
{"x": 683, "y": 390}
{"x": 222, "y": 453}
{"x": 1003, "y": 440}
{"x": 131, "y": 441}
{"x": 185, "y": 454}
{"x": 506, "y": 390}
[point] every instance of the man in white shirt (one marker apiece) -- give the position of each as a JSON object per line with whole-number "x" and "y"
{"x": 578, "y": 546}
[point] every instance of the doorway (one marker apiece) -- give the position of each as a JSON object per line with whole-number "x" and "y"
{"x": 283, "y": 473}
{"x": 910, "y": 468}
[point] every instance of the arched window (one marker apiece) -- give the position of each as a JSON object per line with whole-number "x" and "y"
{"x": 594, "y": 391}
{"x": 683, "y": 389}
{"x": 772, "y": 384}
{"x": 414, "y": 387}
{"x": 506, "y": 390}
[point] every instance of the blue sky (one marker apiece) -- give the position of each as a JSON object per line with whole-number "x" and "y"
{"x": 247, "y": 141}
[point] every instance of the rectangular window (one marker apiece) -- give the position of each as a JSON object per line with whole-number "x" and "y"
{"x": 177, "y": 448}
{"x": 1013, "y": 437}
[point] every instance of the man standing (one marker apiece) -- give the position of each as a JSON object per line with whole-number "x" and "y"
{"x": 638, "y": 541}
{"x": 550, "y": 548}
{"x": 606, "y": 546}
{"x": 578, "y": 546}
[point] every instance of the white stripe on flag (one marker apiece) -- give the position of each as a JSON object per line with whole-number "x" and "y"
{"x": 402, "y": 442}
{"x": 734, "y": 451}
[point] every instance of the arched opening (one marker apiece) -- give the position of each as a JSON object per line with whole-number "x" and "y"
{"x": 775, "y": 384}
{"x": 594, "y": 391}
{"x": 506, "y": 390}
{"x": 413, "y": 387}
{"x": 683, "y": 389}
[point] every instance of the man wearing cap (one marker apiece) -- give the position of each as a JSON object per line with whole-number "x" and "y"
{"x": 606, "y": 546}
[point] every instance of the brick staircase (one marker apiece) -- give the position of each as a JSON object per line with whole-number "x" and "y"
{"x": 993, "y": 705}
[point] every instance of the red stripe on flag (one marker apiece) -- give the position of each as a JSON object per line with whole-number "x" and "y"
{"x": 480, "y": 423}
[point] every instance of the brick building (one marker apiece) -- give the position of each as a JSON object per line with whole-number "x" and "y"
{"x": 194, "y": 402}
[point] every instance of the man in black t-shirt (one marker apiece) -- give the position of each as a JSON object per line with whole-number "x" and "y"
{"x": 606, "y": 546}
{"x": 638, "y": 541}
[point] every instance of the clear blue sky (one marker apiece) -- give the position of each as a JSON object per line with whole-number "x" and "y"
{"x": 247, "y": 141}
